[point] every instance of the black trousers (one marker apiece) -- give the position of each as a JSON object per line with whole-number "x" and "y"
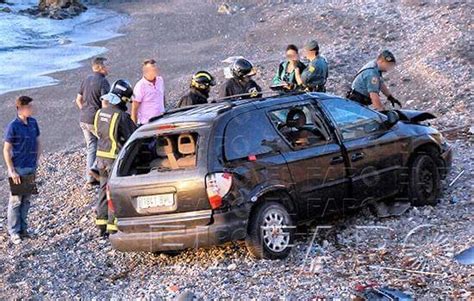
{"x": 105, "y": 219}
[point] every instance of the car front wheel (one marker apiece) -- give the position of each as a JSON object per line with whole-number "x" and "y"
{"x": 271, "y": 232}
{"x": 425, "y": 181}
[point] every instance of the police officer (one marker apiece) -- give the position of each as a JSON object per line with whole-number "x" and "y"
{"x": 241, "y": 85}
{"x": 113, "y": 126}
{"x": 199, "y": 90}
{"x": 368, "y": 82}
{"x": 313, "y": 78}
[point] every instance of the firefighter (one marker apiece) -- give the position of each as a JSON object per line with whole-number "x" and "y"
{"x": 113, "y": 126}
{"x": 241, "y": 85}
{"x": 199, "y": 89}
{"x": 368, "y": 82}
{"x": 313, "y": 78}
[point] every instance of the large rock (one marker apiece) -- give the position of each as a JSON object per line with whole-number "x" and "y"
{"x": 57, "y": 9}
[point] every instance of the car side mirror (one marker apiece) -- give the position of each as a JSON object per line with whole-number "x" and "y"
{"x": 392, "y": 118}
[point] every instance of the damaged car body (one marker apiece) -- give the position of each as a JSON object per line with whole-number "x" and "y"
{"x": 255, "y": 169}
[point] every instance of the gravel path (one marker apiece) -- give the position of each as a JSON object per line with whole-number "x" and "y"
{"x": 64, "y": 259}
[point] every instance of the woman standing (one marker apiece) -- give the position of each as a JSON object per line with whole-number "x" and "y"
{"x": 285, "y": 75}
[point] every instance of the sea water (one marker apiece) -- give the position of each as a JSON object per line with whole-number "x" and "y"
{"x": 31, "y": 48}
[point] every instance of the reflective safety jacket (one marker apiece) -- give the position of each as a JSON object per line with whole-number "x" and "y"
{"x": 113, "y": 127}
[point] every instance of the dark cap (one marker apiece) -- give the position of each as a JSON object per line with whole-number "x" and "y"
{"x": 312, "y": 45}
{"x": 387, "y": 56}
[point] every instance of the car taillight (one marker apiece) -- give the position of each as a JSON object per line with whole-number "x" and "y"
{"x": 110, "y": 204}
{"x": 217, "y": 186}
{"x": 163, "y": 127}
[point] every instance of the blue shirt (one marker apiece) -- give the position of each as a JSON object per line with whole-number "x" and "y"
{"x": 368, "y": 79}
{"x": 23, "y": 138}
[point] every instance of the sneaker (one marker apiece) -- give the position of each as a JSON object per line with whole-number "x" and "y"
{"x": 15, "y": 238}
{"x": 25, "y": 234}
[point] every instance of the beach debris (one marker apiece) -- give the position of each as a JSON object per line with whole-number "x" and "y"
{"x": 186, "y": 296}
{"x": 456, "y": 178}
{"x": 383, "y": 209}
{"x": 232, "y": 267}
{"x": 226, "y": 9}
{"x": 454, "y": 200}
{"x": 466, "y": 257}
{"x": 372, "y": 292}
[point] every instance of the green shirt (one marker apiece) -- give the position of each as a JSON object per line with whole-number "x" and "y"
{"x": 282, "y": 75}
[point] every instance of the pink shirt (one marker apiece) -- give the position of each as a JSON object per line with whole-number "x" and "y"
{"x": 151, "y": 98}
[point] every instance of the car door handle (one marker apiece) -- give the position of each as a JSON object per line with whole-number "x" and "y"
{"x": 337, "y": 160}
{"x": 357, "y": 156}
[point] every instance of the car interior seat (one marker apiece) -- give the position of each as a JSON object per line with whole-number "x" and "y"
{"x": 165, "y": 151}
{"x": 187, "y": 148}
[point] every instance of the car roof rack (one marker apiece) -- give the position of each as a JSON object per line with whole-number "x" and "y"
{"x": 237, "y": 97}
{"x": 230, "y": 102}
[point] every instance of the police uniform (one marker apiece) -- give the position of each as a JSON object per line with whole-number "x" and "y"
{"x": 314, "y": 77}
{"x": 194, "y": 97}
{"x": 113, "y": 127}
{"x": 235, "y": 86}
{"x": 368, "y": 80}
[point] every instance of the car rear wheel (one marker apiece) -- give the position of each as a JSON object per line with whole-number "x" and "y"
{"x": 425, "y": 181}
{"x": 271, "y": 232}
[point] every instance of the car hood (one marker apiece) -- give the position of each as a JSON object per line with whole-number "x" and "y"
{"x": 414, "y": 116}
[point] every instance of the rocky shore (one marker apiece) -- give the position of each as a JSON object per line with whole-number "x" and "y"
{"x": 64, "y": 259}
{"x": 57, "y": 9}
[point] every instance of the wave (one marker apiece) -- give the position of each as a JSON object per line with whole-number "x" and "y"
{"x": 34, "y": 47}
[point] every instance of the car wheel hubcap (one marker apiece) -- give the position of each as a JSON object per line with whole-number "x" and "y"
{"x": 274, "y": 235}
{"x": 426, "y": 180}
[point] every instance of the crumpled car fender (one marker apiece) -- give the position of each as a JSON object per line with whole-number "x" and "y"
{"x": 414, "y": 116}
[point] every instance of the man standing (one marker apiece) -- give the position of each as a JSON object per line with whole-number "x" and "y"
{"x": 199, "y": 89}
{"x": 314, "y": 77}
{"x": 21, "y": 153}
{"x": 149, "y": 94}
{"x": 368, "y": 82}
{"x": 241, "y": 85}
{"x": 88, "y": 101}
{"x": 113, "y": 127}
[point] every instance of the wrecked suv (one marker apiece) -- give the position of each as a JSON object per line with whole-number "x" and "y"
{"x": 255, "y": 169}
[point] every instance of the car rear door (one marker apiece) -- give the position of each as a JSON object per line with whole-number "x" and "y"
{"x": 316, "y": 165}
{"x": 375, "y": 153}
{"x": 145, "y": 183}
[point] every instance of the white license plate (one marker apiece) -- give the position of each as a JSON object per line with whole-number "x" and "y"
{"x": 155, "y": 201}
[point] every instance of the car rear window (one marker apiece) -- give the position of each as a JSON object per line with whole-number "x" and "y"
{"x": 161, "y": 153}
{"x": 250, "y": 133}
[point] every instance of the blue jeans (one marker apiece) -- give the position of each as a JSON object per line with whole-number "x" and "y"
{"x": 91, "y": 146}
{"x": 18, "y": 206}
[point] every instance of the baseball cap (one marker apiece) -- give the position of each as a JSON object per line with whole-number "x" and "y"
{"x": 388, "y": 56}
{"x": 312, "y": 45}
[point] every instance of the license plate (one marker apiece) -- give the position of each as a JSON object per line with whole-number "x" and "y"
{"x": 155, "y": 201}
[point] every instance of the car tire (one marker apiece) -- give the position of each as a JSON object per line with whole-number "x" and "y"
{"x": 424, "y": 181}
{"x": 271, "y": 232}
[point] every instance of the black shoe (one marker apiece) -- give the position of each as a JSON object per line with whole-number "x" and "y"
{"x": 103, "y": 233}
{"x": 25, "y": 234}
{"x": 94, "y": 173}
